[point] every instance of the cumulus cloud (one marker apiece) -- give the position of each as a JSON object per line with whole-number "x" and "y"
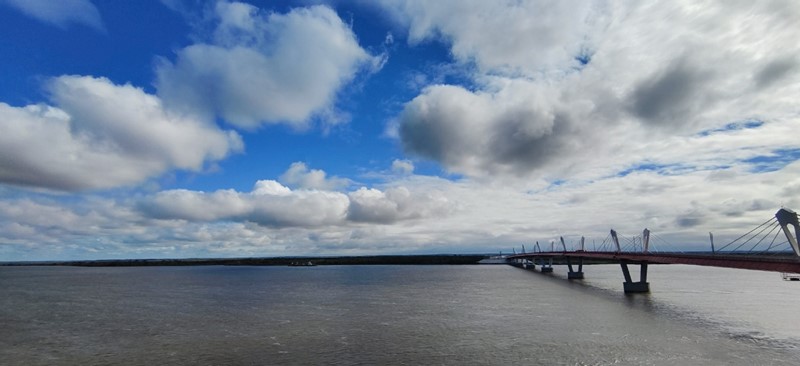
{"x": 299, "y": 175}
{"x": 260, "y": 67}
{"x": 477, "y": 133}
{"x": 403, "y": 166}
{"x": 602, "y": 89}
{"x": 60, "y": 13}
{"x": 510, "y": 36}
{"x": 274, "y": 205}
{"x": 101, "y": 135}
{"x": 394, "y": 204}
{"x": 265, "y": 205}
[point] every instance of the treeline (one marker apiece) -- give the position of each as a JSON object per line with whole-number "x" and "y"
{"x": 274, "y": 261}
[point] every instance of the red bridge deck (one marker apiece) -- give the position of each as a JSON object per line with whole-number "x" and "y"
{"x": 773, "y": 263}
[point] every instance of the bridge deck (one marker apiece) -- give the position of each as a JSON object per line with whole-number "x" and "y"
{"x": 773, "y": 263}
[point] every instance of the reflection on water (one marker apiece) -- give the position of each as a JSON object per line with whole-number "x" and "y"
{"x": 393, "y": 315}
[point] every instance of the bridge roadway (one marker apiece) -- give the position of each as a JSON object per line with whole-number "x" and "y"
{"x": 773, "y": 263}
{"x": 776, "y": 263}
{"x": 786, "y": 219}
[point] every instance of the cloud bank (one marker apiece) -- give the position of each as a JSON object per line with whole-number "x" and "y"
{"x": 271, "y": 204}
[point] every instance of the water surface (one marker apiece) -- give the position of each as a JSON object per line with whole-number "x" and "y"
{"x": 350, "y": 315}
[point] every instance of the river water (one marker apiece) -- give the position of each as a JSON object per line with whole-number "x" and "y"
{"x": 381, "y": 315}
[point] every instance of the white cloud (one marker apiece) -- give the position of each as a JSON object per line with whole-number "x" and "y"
{"x": 271, "y": 187}
{"x": 48, "y": 229}
{"x": 395, "y": 204}
{"x": 604, "y": 88}
{"x": 274, "y": 205}
{"x": 372, "y": 205}
{"x": 508, "y": 35}
{"x": 403, "y": 166}
{"x": 265, "y": 67}
{"x": 484, "y": 133}
{"x": 60, "y": 13}
{"x": 299, "y": 175}
{"x": 102, "y": 135}
{"x": 273, "y": 208}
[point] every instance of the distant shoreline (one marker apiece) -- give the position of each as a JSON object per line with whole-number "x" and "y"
{"x": 437, "y": 259}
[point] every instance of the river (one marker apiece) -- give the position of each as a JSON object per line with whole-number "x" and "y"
{"x": 382, "y": 315}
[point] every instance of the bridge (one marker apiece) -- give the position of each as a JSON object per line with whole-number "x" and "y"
{"x": 752, "y": 251}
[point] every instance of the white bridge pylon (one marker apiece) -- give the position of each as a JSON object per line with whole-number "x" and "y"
{"x": 615, "y": 239}
{"x": 786, "y": 218}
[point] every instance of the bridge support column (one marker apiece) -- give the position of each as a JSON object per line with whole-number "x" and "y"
{"x": 631, "y": 287}
{"x": 528, "y": 264}
{"x": 575, "y": 275}
{"x": 547, "y": 267}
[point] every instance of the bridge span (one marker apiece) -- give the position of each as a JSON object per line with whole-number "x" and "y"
{"x": 775, "y": 258}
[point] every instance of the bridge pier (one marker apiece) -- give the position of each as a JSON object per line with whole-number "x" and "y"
{"x": 528, "y": 264}
{"x": 631, "y": 287}
{"x": 547, "y": 267}
{"x": 572, "y": 274}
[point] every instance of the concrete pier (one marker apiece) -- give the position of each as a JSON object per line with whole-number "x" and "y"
{"x": 631, "y": 287}
{"x": 575, "y": 275}
{"x": 572, "y": 274}
{"x": 547, "y": 267}
{"x": 636, "y": 287}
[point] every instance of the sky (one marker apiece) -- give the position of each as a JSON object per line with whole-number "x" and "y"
{"x": 199, "y": 128}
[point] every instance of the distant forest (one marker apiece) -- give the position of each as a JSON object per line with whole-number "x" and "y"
{"x": 276, "y": 261}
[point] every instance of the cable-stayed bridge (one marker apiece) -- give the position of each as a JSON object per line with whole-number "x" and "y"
{"x": 771, "y": 246}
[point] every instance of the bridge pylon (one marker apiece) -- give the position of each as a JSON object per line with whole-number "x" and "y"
{"x": 786, "y": 218}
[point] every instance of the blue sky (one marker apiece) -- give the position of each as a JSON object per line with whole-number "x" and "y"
{"x": 191, "y": 128}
